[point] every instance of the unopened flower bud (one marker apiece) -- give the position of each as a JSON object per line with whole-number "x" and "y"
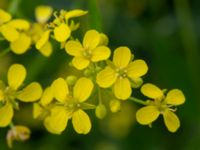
{"x": 115, "y": 105}
{"x": 71, "y": 80}
{"x": 100, "y": 111}
{"x": 18, "y": 133}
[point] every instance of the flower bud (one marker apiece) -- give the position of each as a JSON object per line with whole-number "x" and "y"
{"x": 18, "y": 133}
{"x": 71, "y": 80}
{"x": 100, "y": 111}
{"x": 104, "y": 39}
{"x": 115, "y": 105}
{"x": 136, "y": 83}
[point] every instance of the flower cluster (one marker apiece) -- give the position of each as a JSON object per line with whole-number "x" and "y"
{"x": 103, "y": 86}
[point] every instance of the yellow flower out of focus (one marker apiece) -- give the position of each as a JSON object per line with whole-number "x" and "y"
{"x": 42, "y": 14}
{"x": 121, "y": 73}
{"x": 60, "y": 26}
{"x": 9, "y": 94}
{"x": 160, "y": 104}
{"x": 69, "y": 105}
{"x": 18, "y": 133}
{"x": 90, "y": 51}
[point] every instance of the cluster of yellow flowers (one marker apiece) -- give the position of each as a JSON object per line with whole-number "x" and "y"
{"x": 104, "y": 84}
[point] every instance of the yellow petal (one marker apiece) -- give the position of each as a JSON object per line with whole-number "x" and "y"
{"x": 106, "y": 77}
{"x": 75, "y": 13}
{"x": 175, "y": 97}
{"x": 147, "y": 115}
{"x": 4, "y": 16}
{"x": 137, "y": 69}
{"x": 80, "y": 63}
{"x": 47, "y": 97}
{"x": 122, "y": 88}
{"x": 30, "y": 93}
{"x": 21, "y": 45}
{"x": 60, "y": 89}
{"x": 9, "y": 33}
{"x": 91, "y": 39}
{"x": 37, "y": 110}
{"x": 104, "y": 39}
{"x": 74, "y": 48}
{"x": 20, "y": 24}
{"x": 47, "y": 49}
{"x": 62, "y": 33}
{"x": 83, "y": 89}
{"x": 100, "y": 53}
{"x": 122, "y": 57}
{"x": 151, "y": 91}
{"x": 57, "y": 121}
{"x": 171, "y": 121}
{"x": 81, "y": 122}
{"x": 43, "y": 13}
{"x": 43, "y": 39}
{"x": 1, "y": 95}
{"x": 16, "y": 75}
{"x": 6, "y": 114}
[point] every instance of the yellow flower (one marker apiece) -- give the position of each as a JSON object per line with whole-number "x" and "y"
{"x": 70, "y": 105}
{"x": 15, "y": 31}
{"x": 8, "y": 94}
{"x": 121, "y": 73}
{"x": 160, "y": 104}
{"x": 89, "y": 52}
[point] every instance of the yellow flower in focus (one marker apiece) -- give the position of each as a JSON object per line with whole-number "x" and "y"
{"x": 160, "y": 104}
{"x": 70, "y": 105}
{"x": 89, "y": 52}
{"x": 121, "y": 73}
{"x": 8, "y": 94}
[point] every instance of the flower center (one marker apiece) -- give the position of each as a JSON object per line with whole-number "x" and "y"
{"x": 72, "y": 104}
{"x": 121, "y": 73}
{"x": 87, "y": 53}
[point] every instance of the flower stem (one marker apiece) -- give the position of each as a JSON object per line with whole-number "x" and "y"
{"x": 139, "y": 101}
{"x": 5, "y": 51}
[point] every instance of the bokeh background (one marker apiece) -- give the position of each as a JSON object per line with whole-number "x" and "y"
{"x": 165, "y": 33}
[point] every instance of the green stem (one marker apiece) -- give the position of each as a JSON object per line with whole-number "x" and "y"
{"x": 99, "y": 95}
{"x": 139, "y": 101}
{"x": 5, "y": 51}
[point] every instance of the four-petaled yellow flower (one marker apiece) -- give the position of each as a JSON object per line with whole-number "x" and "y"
{"x": 70, "y": 105}
{"x": 160, "y": 104}
{"x": 90, "y": 51}
{"x": 8, "y": 94}
{"x": 121, "y": 73}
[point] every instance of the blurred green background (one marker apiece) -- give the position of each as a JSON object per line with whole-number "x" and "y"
{"x": 165, "y": 33}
